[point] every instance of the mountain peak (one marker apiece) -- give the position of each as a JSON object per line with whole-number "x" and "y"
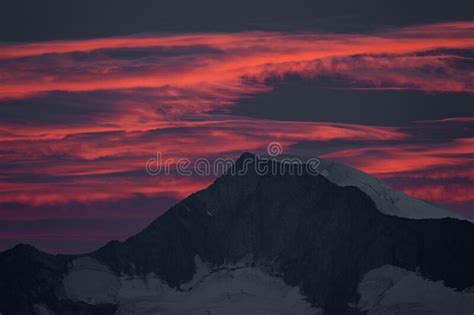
{"x": 244, "y": 160}
{"x": 246, "y": 155}
{"x": 23, "y": 249}
{"x": 306, "y": 233}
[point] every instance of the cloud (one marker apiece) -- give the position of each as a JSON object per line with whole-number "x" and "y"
{"x": 220, "y": 63}
{"x": 79, "y": 119}
{"x": 407, "y": 158}
{"x": 438, "y": 172}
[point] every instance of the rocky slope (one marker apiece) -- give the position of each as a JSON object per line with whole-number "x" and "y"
{"x": 305, "y": 231}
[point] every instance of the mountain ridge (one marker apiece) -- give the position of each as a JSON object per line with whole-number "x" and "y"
{"x": 306, "y": 230}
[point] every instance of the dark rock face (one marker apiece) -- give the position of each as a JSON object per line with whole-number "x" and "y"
{"x": 29, "y": 277}
{"x": 305, "y": 229}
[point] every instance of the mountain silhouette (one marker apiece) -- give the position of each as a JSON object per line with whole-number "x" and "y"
{"x": 259, "y": 243}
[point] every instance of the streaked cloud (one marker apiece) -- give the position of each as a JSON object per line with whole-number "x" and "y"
{"x": 221, "y": 64}
{"x": 80, "y": 118}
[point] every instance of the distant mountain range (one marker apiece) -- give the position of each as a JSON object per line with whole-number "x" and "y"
{"x": 338, "y": 243}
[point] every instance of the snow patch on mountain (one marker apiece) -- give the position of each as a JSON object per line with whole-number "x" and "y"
{"x": 40, "y": 309}
{"x": 393, "y": 290}
{"x": 91, "y": 282}
{"x": 228, "y": 289}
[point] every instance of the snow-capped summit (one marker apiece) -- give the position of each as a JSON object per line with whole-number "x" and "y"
{"x": 387, "y": 199}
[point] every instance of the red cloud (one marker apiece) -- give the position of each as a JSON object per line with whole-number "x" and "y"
{"x": 51, "y": 66}
{"x": 77, "y": 159}
{"x": 440, "y": 173}
{"x": 383, "y": 160}
{"x": 167, "y": 100}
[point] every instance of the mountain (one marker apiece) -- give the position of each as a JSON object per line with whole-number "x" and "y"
{"x": 259, "y": 244}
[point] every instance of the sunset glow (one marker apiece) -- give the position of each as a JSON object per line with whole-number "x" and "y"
{"x": 80, "y": 118}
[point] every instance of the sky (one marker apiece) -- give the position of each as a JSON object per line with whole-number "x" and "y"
{"x": 90, "y": 92}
